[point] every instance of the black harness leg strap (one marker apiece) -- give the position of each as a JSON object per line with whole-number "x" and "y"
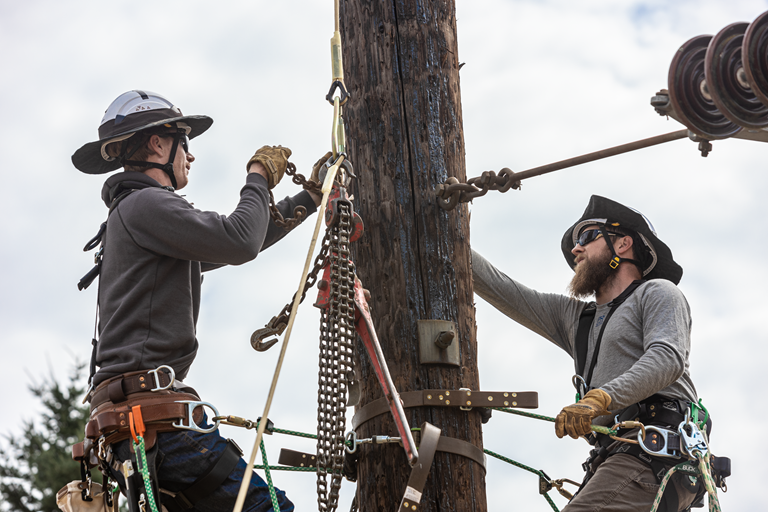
{"x": 430, "y": 435}
{"x": 206, "y": 484}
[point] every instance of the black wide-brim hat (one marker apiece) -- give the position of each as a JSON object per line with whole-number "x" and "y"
{"x": 89, "y": 158}
{"x": 602, "y": 210}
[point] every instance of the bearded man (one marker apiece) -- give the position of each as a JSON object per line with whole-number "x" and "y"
{"x": 630, "y": 347}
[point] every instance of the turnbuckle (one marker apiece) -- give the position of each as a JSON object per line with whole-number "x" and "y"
{"x": 191, "y": 406}
{"x": 352, "y": 440}
{"x": 155, "y": 374}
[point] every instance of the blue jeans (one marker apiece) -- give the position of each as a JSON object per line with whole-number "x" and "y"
{"x": 180, "y": 458}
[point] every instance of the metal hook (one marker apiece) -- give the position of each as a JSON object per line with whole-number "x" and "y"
{"x": 257, "y": 338}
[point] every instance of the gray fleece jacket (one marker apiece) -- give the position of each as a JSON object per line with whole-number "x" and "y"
{"x": 645, "y": 347}
{"x": 157, "y": 245}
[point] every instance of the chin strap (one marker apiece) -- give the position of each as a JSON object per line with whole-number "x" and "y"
{"x": 167, "y": 168}
{"x": 615, "y": 260}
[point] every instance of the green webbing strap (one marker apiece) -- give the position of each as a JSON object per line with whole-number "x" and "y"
{"x": 141, "y": 455}
{"x": 595, "y": 428}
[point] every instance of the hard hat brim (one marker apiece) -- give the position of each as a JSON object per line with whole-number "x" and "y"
{"x": 615, "y": 214}
{"x": 89, "y": 158}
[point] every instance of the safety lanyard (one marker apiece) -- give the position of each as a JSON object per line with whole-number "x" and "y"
{"x": 585, "y": 326}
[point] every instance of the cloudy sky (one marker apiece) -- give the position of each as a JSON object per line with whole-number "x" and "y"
{"x": 544, "y": 80}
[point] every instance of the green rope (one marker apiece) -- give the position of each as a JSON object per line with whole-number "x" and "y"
{"x": 527, "y": 468}
{"x": 595, "y": 428}
{"x": 294, "y": 433}
{"x": 144, "y": 470}
{"x": 272, "y": 493}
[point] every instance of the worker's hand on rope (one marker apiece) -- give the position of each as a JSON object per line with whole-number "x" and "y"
{"x": 576, "y": 420}
{"x": 275, "y": 161}
{"x": 319, "y": 165}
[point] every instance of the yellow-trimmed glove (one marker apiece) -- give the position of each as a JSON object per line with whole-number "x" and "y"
{"x": 315, "y": 176}
{"x": 275, "y": 161}
{"x": 576, "y": 420}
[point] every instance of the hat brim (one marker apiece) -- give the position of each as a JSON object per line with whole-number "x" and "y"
{"x": 618, "y": 215}
{"x": 88, "y": 158}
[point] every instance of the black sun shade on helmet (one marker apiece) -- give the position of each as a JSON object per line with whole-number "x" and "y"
{"x": 131, "y": 113}
{"x": 656, "y": 261}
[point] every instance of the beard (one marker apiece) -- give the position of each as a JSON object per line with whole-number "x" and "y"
{"x": 591, "y": 274}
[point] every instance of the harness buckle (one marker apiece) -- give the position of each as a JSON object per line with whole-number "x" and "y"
{"x": 191, "y": 406}
{"x": 155, "y": 374}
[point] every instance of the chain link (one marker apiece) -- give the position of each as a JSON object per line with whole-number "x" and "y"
{"x": 280, "y": 322}
{"x": 453, "y": 192}
{"x": 336, "y": 361}
{"x": 299, "y": 212}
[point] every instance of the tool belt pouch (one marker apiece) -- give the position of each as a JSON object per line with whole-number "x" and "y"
{"x": 70, "y": 498}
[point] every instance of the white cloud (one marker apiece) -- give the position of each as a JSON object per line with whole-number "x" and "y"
{"x": 543, "y": 81}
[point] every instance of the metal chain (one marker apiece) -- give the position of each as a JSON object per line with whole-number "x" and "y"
{"x": 336, "y": 362}
{"x": 453, "y": 192}
{"x": 299, "y": 212}
{"x": 279, "y": 322}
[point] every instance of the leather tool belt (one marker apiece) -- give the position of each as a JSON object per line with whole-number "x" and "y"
{"x": 119, "y": 388}
{"x": 163, "y": 410}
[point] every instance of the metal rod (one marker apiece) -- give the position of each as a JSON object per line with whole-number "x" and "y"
{"x": 603, "y": 153}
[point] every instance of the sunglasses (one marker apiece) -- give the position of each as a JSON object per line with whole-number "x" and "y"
{"x": 182, "y": 137}
{"x": 591, "y": 235}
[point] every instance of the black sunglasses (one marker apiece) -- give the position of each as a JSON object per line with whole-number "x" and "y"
{"x": 591, "y": 235}
{"x": 182, "y": 138}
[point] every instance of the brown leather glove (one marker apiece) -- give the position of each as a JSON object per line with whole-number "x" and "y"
{"x": 315, "y": 176}
{"x": 576, "y": 420}
{"x": 275, "y": 161}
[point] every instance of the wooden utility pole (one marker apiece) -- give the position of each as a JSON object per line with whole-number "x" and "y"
{"x": 404, "y": 132}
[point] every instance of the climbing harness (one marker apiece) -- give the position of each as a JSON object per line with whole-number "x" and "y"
{"x": 581, "y": 343}
{"x": 453, "y": 192}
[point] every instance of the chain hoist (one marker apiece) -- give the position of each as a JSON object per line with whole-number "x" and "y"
{"x": 337, "y": 345}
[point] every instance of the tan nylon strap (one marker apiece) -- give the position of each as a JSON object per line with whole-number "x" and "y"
{"x": 430, "y": 436}
{"x": 449, "y": 398}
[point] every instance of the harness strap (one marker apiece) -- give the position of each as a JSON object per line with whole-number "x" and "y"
{"x": 430, "y": 436}
{"x": 206, "y": 484}
{"x": 448, "y": 398}
{"x": 117, "y": 389}
{"x": 581, "y": 344}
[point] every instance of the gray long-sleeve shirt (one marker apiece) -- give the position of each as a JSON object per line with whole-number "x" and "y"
{"x": 645, "y": 347}
{"x": 156, "y": 247}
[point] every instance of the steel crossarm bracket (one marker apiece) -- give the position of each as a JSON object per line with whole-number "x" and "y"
{"x": 364, "y": 327}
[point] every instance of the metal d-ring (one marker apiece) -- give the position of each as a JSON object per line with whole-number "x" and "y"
{"x": 155, "y": 374}
{"x": 191, "y": 406}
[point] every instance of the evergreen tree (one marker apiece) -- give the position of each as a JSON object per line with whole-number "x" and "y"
{"x": 35, "y": 465}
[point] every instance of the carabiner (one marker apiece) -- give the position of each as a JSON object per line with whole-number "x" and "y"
{"x": 691, "y": 438}
{"x": 581, "y": 386}
{"x": 191, "y": 406}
